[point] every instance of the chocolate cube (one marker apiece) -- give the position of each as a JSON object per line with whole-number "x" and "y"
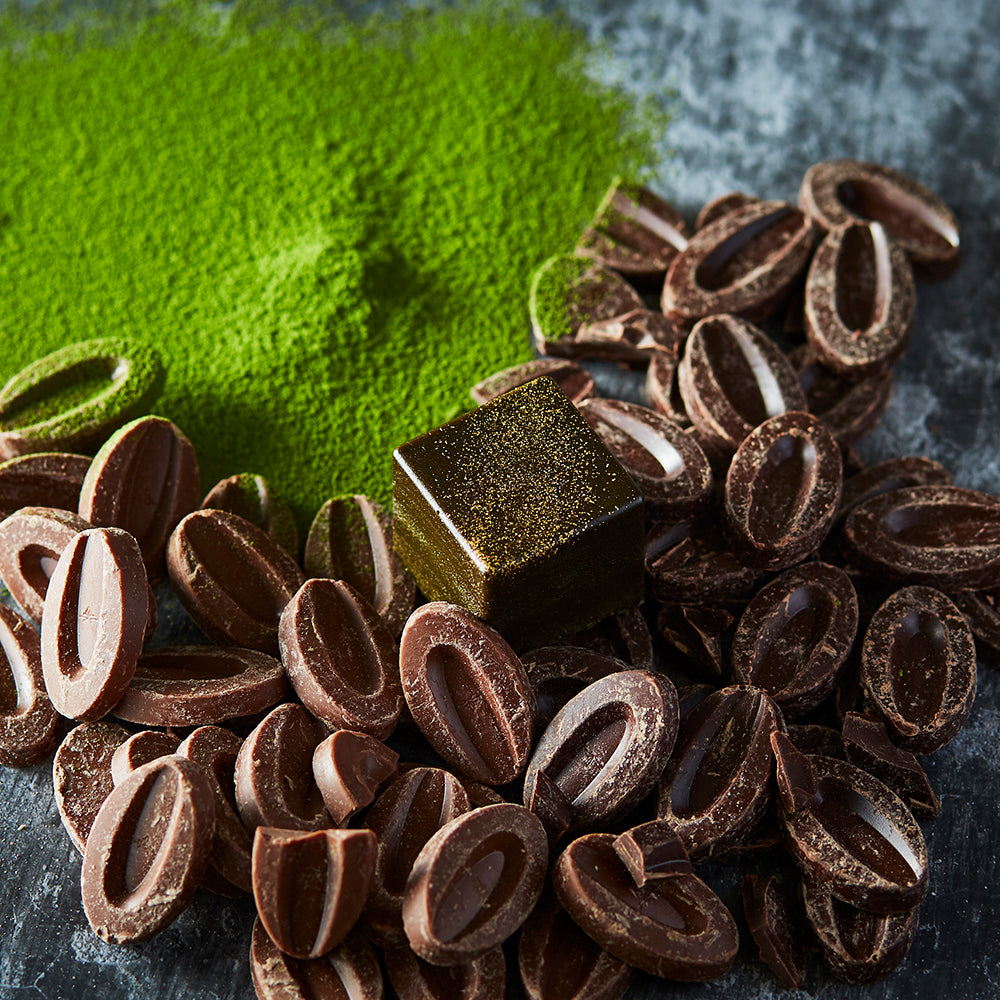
{"x": 519, "y": 513}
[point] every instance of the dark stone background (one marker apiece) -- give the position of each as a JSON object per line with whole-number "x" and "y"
{"x": 761, "y": 91}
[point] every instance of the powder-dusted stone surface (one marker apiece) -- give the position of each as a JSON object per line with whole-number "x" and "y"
{"x": 762, "y": 90}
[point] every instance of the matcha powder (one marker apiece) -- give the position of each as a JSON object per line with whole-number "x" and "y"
{"x": 326, "y": 228}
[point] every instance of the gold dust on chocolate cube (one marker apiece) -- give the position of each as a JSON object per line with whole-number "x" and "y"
{"x": 519, "y": 513}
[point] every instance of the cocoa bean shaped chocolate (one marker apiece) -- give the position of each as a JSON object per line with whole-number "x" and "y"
{"x": 860, "y": 300}
{"x": 148, "y": 850}
{"x": 942, "y": 536}
{"x": 254, "y": 499}
{"x": 201, "y": 686}
{"x": 94, "y": 622}
{"x": 675, "y": 927}
{"x": 468, "y": 692}
{"x": 782, "y": 491}
{"x": 663, "y": 390}
{"x": 716, "y": 785}
{"x": 667, "y": 466}
{"x": 29, "y": 725}
{"x": 557, "y": 673}
{"x": 634, "y": 231}
{"x": 341, "y": 658}
{"x": 773, "y": 924}
{"x": 606, "y": 747}
{"x": 795, "y": 636}
{"x": 744, "y": 263}
{"x": 558, "y": 960}
{"x": 310, "y": 886}
{"x": 837, "y": 191}
{"x": 350, "y": 539}
{"x": 485, "y": 978}
{"x": 144, "y": 479}
{"x": 982, "y": 612}
{"x": 404, "y": 817}
{"x": 623, "y": 635}
{"x": 474, "y": 883}
{"x": 573, "y": 381}
{"x": 857, "y": 946}
{"x": 918, "y": 668}
{"x": 653, "y": 850}
{"x": 349, "y": 768}
{"x": 44, "y": 479}
{"x": 233, "y": 579}
{"x": 721, "y": 206}
{"x": 631, "y": 337}
{"x": 858, "y": 840}
{"x": 31, "y": 541}
{"x": 72, "y": 398}
{"x": 732, "y": 378}
{"x": 274, "y": 779}
{"x": 350, "y": 970}
{"x": 892, "y": 474}
{"x": 140, "y": 748}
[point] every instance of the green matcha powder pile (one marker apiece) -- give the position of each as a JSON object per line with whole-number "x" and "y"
{"x": 326, "y": 227}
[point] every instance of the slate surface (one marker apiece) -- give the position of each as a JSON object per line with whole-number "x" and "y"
{"x": 762, "y": 91}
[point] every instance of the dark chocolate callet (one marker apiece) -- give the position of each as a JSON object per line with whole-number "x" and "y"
{"x": 797, "y": 785}
{"x": 140, "y": 748}
{"x": 548, "y": 802}
{"x": 254, "y": 499}
{"x": 982, "y": 612}
{"x": 723, "y": 205}
{"x": 632, "y": 336}
{"x": 653, "y": 850}
{"x": 349, "y": 970}
{"x": 474, "y": 883}
{"x": 663, "y": 390}
{"x": 468, "y": 692}
{"x": 623, "y": 635}
{"x": 94, "y": 622}
{"x": 892, "y": 474}
{"x": 606, "y": 747}
{"x": 310, "y": 886}
{"x": 349, "y": 768}
{"x": 484, "y": 978}
{"x": 575, "y": 382}
{"x": 817, "y": 739}
{"x": 148, "y": 850}
{"x": 341, "y": 658}
{"x": 676, "y": 927}
{"x": 697, "y": 632}
{"x": 274, "y": 779}
{"x": 557, "y": 673}
{"x": 774, "y": 925}
{"x": 44, "y": 479}
{"x": 29, "y": 725}
{"x": 858, "y": 839}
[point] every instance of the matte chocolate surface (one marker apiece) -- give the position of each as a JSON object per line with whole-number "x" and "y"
{"x": 43, "y": 479}
{"x": 412, "y": 978}
{"x": 140, "y": 748}
{"x": 254, "y": 499}
{"x": 574, "y": 381}
{"x": 349, "y": 768}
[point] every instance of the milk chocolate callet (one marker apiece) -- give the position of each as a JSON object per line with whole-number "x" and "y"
{"x": 518, "y": 512}
{"x": 349, "y": 768}
{"x": 43, "y": 479}
{"x": 140, "y": 748}
{"x": 253, "y": 498}
{"x": 414, "y": 979}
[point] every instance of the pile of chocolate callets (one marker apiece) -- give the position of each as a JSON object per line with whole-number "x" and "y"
{"x": 829, "y": 612}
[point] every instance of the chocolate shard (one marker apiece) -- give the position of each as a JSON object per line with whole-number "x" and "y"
{"x": 653, "y": 850}
{"x": 796, "y": 775}
{"x": 349, "y": 768}
{"x": 773, "y": 921}
{"x": 547, "y": 801}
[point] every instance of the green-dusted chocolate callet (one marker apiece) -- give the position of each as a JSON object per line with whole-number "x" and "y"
{"x": 253, "y": 498}
{"x": 519, "y": 513}
{"x": 74, "y": 397}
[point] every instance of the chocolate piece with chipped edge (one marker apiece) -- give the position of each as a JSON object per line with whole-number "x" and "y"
{"x": 42, "y": 479}
{"x": 576, "y": 383}
{"x": 140, "y": 748}
{"x": 697, "y": 632}
{"x": 623, "y": 635}
{"x": 634, "y": 336}
{"x": 349, "y": 768}
{"x": 653, "y": 850}
{"x": 796, "y": 776}
{"x": 254, "y": 499}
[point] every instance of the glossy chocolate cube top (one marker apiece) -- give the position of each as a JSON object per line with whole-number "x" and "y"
{"x": 519, "y": 513}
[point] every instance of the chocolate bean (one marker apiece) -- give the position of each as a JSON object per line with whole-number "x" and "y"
{"x": 983, "y": 616}
{"x": 744, "y": 263}
{"x": 31, "y": 541}
{"x": 634, "y": 231}
{"x": 606, "y": 747}
{"x": 350, "y": 970}
{"x": 721, "y": 206}
{"x": 233, "y": 579}
{"x": 254, "y": 499}
{"x": 860, "y": 300}
{"x": 892, "y": 474}
{"x": 557, "y": 673}
{"x": 148, "y": 850}
{"x": 404, "y": 817}
{"x": 732, "y": 378}
{"x": 144, "y": 479}
{"x": 274, "y": 779}
{"x": 663, "y": 390}
{"x": 468, "y": 692}
{"x": 480, "y": 794}
{"x": 795, "y": 636}
{"x": 623, "y": 635}
{"x": 351, "y": 540}
{"x": 349, "y": 768}
{"x": 215, "y": 751}
{"x": 44, "y": 479}
{"x": 72, "y": 398}
{"x": 675, "y": 927}
{"x": 918, "y": 668}
{"x": 715, "y": 787}
{"x": 81, "y": 775}
{"x": 839, "y": 191}
{"x": 29, "y": 725}
{"x": 94, "y": 622}
{"x": 201, "y": 685}
{"x": 696, "y": 632}
{"x": 310, "y": 886}
{"x": 858, "y": 840}
{"x": 667, "y": 465}
{"x": 341, "y": 658}
{"x": 653, "y": 850}
{"x": 782, "y": 490}
{"x": 413, "y": 979}
{"x": 573, "y": 381}
{"x": 773, "y": 924}
{"x": 474, "y": 883}
{"x": 857, "y": 946}
{"x": 140, "y": 748}
{"x": 558, "y": 961}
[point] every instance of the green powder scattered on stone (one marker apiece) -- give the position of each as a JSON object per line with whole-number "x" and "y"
{"x": 326, "y": 229}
